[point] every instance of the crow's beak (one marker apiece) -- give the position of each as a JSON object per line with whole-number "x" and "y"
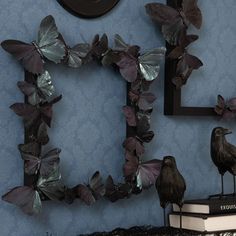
{"x": 227, "y": 131}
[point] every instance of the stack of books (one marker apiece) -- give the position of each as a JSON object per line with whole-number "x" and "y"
{"x": 214, "y": 215}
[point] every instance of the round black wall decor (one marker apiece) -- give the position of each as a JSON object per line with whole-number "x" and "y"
{"x": 88, "y": 8}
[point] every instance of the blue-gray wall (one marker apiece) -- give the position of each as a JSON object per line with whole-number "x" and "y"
{"x": 88, "y": 125}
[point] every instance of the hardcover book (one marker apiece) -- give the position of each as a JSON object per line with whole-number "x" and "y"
{"x": 208, "y": 206}
{"x": 204, "y": 223}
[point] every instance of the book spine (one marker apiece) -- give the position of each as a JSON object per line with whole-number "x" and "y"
{"x": 222, "y": 208}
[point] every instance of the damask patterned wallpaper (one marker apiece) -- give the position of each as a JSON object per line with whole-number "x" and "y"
{"x": 88, "y": 124}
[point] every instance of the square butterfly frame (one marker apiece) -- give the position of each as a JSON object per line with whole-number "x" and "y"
{"x": 172, "y": 95}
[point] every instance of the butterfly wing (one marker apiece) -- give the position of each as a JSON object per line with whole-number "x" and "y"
{"x": 145, "y": 101}
{"x": 192, "y": 12}
{"x": 51, "y": 185}
{"x": 120, "y": 44}
{"x": 131, "y": 165}
{"x": 85, "y": 194}
{"x": 168, "y": 18}
{"x": 97, "y": 186}
{"x": 42, "y": 135}
{"x": 149, "y": 63}
{"x": 130, "y": 115}
{"x": 26, "y": 198}
{"x": 148, "y": 173}
{"x": 48, "y": 42}
{"x": 128, "y": 67}
{"x": 26, "y": 54}
{"x": 31, "y": 164}
{"x": 132, "y": 144}
{"x": 220, "y": 107}
{"x": 44, "y": 83}
{"x": 49, "y": 162}
{"x": 76, "y": 54}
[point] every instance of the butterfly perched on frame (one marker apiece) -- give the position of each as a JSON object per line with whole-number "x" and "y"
{"x": 35, "y": 162}
{"x": 28, "y": 198}
{"x": 131, "y": 63}
{"x": 90, "y": 193}
{"x": 226, "y": 108}
{"x": 144, "y": 173}
{"x": 173, "y": 21}
{"x": 48, "y": 45}
{"x": 38, "y": 90}
{"x": 186, "y": 62}
{"x": 115, "y": 192}
{"x": 33, "y": 114}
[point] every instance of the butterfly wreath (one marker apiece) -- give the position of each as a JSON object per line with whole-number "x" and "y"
{"x": 41, "y": 166}
{"x": 174, "y": 24}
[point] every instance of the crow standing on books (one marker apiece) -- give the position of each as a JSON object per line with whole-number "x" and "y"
{"x": 170, "y": 185}
{"x": 223, "y": 155}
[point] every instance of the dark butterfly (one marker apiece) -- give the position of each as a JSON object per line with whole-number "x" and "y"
{"x": 226, "y": 109}
{"x": 145, "y": 173}
{"x": 28, "y": 198}
{"x": 42, "y": 89}
{"x": 186, "y": 62}
{"x": 131, "y": 62}
{"x": 100, "y": 46}
{"x": 130, "y": 115}
{"x": 143, "y": 100}
{"x": 93, "y": 191}
{"x": 134, "y": 144}
{"x": 48, "y": 45}
{"x": 32, "y": 114}
{"x": 77, "y": 54}
{"x": 51, "y": 185}
{"x": 173, "y": 21}
{"x": 116, "y": 192}
{"x": 34, "y": 163}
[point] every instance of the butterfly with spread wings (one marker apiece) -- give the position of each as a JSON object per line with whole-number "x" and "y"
{"x": 173, "y": 21}
{"x": 38, "y": 90}
{"x": 226, "y": 108}
{"x": 28, "y": 198}
{"x": 141, "y": 122}
{"x": 32, "y": 114}
{"x": 144, "y": 173}
{"x": 186, "y": 62}
{"x": 131, "y": 63}
{"x": 90, "y": 193}
{"x": 35, "y": 162}
{"x": 48, "y": 45}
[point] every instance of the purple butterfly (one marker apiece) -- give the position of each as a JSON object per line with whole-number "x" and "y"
{"x": 33, "y": 114}
{"x": 90, "y": 193}
{"x": 48, "y": 45}
{"x": 173, "y": 21}
{"x": 34, "y": 163}
{"x": 26, "y": 198}
{"x": 145, "y": 173}
{"x": 130, "y": 115}
{"x": 116, "y": 192}
{"x": 226, "y": 109}
{"x": 143, "y": 100}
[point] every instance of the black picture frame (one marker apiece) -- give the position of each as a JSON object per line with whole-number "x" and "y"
{"x": 172, "y": 95}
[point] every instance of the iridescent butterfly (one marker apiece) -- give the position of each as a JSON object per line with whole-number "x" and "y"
{"x": 131, "y": 62}
{"x": 38, "y": 90}
{"x": 35, "y": 162}
{"x": 29, "y": 198}
{"x": 173, "y": 21}
{"x": 48, "y": 45}
{"x": 144, "y": 173}
{"x": 93, "y": 191}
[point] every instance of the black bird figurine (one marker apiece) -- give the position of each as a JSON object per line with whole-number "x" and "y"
{"x": 223, "y": 155}
{"x": 170, "y": 186}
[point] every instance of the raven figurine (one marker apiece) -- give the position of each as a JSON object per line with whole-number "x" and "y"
{"x": 170, "y": 186}
{"x": 223, "y": 155}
